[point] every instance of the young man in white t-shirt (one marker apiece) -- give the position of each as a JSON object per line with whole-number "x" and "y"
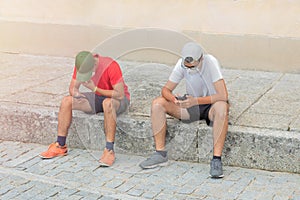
{"x": 206, "y": 99}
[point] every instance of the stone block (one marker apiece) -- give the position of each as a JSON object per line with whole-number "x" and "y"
{"x": 273, "y": 150}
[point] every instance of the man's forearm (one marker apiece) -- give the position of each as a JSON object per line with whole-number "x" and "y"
{"x": 74, "y": 87}
{"x": 211, "y": 99}
{"x": 167, "y": 94}
{"x": 110, "y": 93}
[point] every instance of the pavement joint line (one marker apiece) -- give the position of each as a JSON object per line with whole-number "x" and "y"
{"x": 260, "y": 96}
{"x": 232, "y": 80}
{"x": 267, "y": 128}
{"x": 292, "y": 121}
{"x": 104, "y": 191}
{"x": 30, "y": 104}
{"x": 33, "y": 86}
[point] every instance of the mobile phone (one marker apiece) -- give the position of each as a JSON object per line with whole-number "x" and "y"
{"x": 79, "y": 97}
{"x": 182, "y": 98}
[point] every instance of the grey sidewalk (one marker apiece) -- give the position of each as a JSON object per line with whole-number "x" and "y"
{"x": 23, "y": 175}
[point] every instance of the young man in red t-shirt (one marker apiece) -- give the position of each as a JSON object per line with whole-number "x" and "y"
{"x": 109, "y": 94}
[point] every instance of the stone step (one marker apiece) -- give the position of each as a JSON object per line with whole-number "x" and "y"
{"x": 268, "y": 149}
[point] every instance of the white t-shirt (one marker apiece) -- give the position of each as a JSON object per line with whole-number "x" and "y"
{"x": 199, "y": 81}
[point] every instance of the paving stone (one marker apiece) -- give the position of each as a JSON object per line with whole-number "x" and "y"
{"x": 25, "y": 187}
{"x": 10, "y": 195}
{"x": 186, "y": 190}
{"x": 36, "y": 169}
{"x": 107, "y": 198}
{"x": 52, "y": 191}
{"x": 29, "y": 194}
{"x": 135, "y": 192}
{"x": 179, "y": 180}
{"x": 151, "y": 194}
{"x": 40, "y": 197}
{"x": 30, "y": 162}
{"x": 125, "y": 187}
{"x": 115, "y": 183}
{"x": 6, "y": 188}
{"x": 75, "y": 197}
{"x": 165, "y": 196}
{"x": 91, "y": 197}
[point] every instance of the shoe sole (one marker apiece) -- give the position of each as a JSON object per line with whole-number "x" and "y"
{"x": 216, "y": 177}
{"x": 156, "y": 165}
{"x": 104, "y": 165}
{"x": 61, "y": 155}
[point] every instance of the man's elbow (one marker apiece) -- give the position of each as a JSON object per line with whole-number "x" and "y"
{"x": 225, "y": 97}
{"x": 122, "y": 96}
{"x": 71, "y": 92}
{"x": 119, "y": 95}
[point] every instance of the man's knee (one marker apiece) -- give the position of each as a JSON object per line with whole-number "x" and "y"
{"x": 221, "y": 109}
{"x": 66, "y": 101}
{"x": 159, "y": 101}
{"x": 109, "y": 105}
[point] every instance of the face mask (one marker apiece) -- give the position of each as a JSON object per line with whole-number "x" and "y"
{"x": 193, "y": 70}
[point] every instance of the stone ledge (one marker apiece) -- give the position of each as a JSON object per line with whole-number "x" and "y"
{"x": 245, "y": 146}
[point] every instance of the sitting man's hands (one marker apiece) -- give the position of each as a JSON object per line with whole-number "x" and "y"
{"x": 187, "y": 103}
{"x": 89, "y": 84}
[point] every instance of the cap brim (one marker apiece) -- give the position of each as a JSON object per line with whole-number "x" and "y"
{"x": 84, "y": 76}
{"x": 182, "y": 62}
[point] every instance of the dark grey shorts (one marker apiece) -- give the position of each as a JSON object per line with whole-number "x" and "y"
{"x": 199, "y": 112}
{"x": 96, "y": 103}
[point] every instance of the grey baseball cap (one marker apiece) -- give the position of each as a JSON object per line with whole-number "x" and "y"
{"x": 192, "y": 50}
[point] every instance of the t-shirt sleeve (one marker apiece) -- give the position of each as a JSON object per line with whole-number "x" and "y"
{"x": 215, "y": 69}
{"x": 177, "y": 73}
{"x": 115, "y": 73}
{"x": 74, "y": 73}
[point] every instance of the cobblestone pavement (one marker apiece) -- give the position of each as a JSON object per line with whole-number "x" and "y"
{"x": 23, "y": 175}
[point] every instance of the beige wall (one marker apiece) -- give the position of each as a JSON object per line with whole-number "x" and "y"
{"x": 249, "y": 34}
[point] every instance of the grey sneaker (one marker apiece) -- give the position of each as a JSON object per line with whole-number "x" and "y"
{"x": 155, "y": 160}
{"x": 216, "y": 169}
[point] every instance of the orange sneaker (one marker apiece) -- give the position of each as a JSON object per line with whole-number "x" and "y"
{"x": 108, "y": 158}
{"x": 54, "y": 150}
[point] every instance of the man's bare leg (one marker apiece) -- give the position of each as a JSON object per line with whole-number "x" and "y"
{"x": 219, "y": 115}
{"x": 161, "y": 107}
{"x": 68, "y": 104}
{"x": 64, "y": 121}
{"x": 159, "y": 123}
{"x": 110, "y": 107}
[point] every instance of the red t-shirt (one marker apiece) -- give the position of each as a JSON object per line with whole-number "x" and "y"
{"x": 107, "y": 74}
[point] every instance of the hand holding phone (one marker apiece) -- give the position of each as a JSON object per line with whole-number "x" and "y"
{"x": 182, "y": 98}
